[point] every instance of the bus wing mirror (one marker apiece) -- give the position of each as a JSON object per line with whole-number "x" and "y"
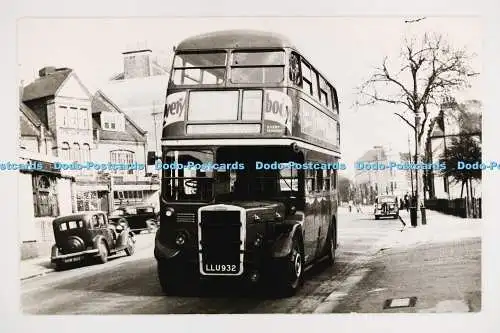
{"x": 151, "y": 157}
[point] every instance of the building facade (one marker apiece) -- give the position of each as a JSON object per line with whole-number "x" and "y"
{"x": 43, "y": 193}
{"x": 61, "y": 122}
{"x": 369, "y": 183}
{"x": 122, "y": 141}
{"x": 454, "y": 120}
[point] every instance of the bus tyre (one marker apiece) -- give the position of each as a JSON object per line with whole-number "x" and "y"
{"x": 170, "y": 282}
{"x": 293, "y": 270}
{"x": 332, "y": 245}
{"x": 103, "y": 252}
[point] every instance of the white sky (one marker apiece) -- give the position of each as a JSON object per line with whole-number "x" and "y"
{"x": 345, "y": 49}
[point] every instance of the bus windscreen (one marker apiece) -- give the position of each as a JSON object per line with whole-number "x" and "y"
{"x": 258, "y": 67}
{"x": 199, "y": 68}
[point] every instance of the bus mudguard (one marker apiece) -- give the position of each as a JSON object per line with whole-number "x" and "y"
{"x": 283, "y": 244}
{"x": 162, "y": 251}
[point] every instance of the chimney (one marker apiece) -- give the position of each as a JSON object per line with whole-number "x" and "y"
{"x": 137, "y": 61}
{"x": 46, "y": 71}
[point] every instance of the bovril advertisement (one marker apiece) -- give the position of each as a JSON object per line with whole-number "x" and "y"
{"x": 277, "y": 112}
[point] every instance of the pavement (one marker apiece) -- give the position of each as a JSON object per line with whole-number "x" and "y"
{"x": 31, "y": 268}
{"x": 429, "y": 268}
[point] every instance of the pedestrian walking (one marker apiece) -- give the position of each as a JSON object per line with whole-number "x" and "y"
{"x": 350, "y": 206}
{"x": 407, "y": 202}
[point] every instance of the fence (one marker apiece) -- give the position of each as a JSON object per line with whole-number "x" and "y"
{"x": 457, "y": 207}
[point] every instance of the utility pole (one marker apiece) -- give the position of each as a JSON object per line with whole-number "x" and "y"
{"x": 411, "y": 172}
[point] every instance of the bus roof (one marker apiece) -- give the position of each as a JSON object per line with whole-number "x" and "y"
{"x": 234, "y": 39}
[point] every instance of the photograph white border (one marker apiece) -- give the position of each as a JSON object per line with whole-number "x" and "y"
{"x": 12, "y": 319}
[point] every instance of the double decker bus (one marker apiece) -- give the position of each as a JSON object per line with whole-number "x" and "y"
{"x": 250, "y": 153}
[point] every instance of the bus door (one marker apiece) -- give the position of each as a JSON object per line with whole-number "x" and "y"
{"x": 324, "y": 214}
{"x": 311, "y": 226}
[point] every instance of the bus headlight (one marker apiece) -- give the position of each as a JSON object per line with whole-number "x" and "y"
{"x": 169, "y": 212}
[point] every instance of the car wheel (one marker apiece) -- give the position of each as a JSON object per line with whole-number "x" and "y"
{"x": 151, "y": 225}
{"x": 377, "y": 217}
{"x": 130, "y": 249}
{"x": 293, "y": 274}
{"x": 103, "y": 252}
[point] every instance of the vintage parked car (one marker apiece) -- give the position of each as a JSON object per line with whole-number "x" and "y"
{"x": 89, "y": 235}
{"x": 139, "y": 218}
{"x": 386, "y": 205}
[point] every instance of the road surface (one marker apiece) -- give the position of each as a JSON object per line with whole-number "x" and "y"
{"x": 128, "y": 285}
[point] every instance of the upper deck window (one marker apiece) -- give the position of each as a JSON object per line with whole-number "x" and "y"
{"x": 258, "y": 67}
{"x": 199, "y": 68}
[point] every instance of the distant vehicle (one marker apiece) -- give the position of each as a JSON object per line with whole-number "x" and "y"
{"x": 89, "y": 235}
{"x": 386, "y": 205}
{"x": 139, "y": 218}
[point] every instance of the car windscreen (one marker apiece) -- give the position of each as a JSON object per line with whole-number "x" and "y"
{"x": 387, "y": 200}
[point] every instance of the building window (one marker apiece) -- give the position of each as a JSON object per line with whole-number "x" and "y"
{"x": 84, "y": 120}
{"x": 86, "y": 152}
{"x": 122, "y": 157}
{"x": 65, "y": 151}
{"x": 73, "y": 117}
{"x": 76, "y": 152}
{"x": 86, "y": 201}
{"x": 64, "y": 113}
{"x": 44, "y": 196}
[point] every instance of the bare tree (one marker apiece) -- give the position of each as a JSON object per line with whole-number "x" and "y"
{"x": 428, "y": 70}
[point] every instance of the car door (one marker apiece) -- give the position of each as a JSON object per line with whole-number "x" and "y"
{"x": 105, "y": 230}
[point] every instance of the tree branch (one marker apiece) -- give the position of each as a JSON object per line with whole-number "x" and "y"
{"x": 406, "y": 121}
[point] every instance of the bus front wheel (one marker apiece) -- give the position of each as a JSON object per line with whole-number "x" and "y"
{"x": 292, "y": 276}
{"x": 170, "y": 282}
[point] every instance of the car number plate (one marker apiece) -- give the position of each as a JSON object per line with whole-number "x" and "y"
{"x": 74, "y": 259}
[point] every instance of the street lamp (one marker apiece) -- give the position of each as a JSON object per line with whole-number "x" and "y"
{"x": 415, "y": 204}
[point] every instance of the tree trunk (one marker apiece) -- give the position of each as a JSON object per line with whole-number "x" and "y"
{"x": 462, "y": 190}
{"x": 467, "y": 205}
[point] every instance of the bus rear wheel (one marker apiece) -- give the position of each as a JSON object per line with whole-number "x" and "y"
{"x": 332, "y": 245}
{"x": 293, "y": 274}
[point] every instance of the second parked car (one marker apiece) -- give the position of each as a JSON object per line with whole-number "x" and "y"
{"x": 139, "y": 218}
